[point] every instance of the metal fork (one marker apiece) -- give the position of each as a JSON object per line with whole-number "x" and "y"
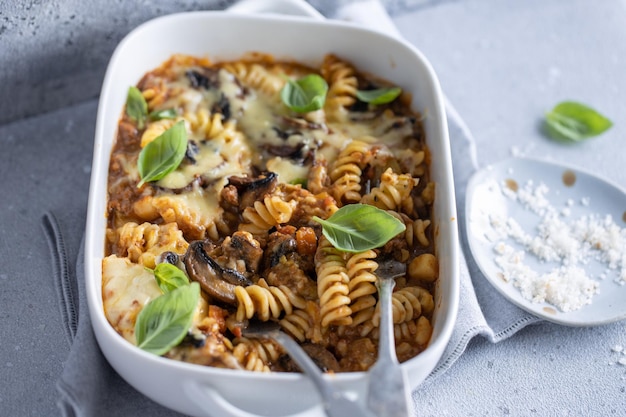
{"x": 335, "y": 403}
{"x": 388, "y": 391}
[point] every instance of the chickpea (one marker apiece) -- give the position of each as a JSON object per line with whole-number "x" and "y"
{"x": 424, "y": 268}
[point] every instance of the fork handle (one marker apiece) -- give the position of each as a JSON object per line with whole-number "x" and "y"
{"x": 386, "y": 341}
{"x": 388, "y": 392}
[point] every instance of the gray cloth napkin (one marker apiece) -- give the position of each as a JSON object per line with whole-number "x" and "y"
{"x": 89, "y": 387}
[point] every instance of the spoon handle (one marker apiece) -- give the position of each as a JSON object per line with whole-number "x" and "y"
{"x": 388, "y": 388}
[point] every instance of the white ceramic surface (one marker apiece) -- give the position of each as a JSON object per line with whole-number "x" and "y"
{"x": 205, "y": 391}
{"x": 484, "y": 199}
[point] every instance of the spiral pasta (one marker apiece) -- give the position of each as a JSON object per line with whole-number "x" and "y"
{"x": 392, "y": 193}
{"x": 142, "y": 243}
{"x": 419, "y": 231}
{"x": 361, "y": 267}
{"x": 155, "y": 95}
{"x": 256, "y": 354}
{"x": 332, "y": 285}
{"x": 346, "y": 172}
{"x": 155, "y": 129}
{"x": 256, "y": 76}
{"x": 297, "y": 324}
{"x": 342, "y": 85}
{"x": 207, "y": 125}
{"x": 266, "y": 214}
{"x": 417, "y": 330}
{"x": 264, "y": 301}
{"x": 406, "y": 306}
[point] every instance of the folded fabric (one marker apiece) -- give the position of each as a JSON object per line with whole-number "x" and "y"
{"x": 89, "y": 387}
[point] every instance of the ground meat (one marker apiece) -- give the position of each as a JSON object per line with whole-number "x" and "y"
{"x": 361, "y": 354}
{"x": 287, "y": 272}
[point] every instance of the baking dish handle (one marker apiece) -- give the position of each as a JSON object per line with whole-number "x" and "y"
{"x": 211, "y": 402}
{"x": 288, "y": 7}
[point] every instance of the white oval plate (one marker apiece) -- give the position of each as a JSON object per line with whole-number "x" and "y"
{"x": 589, "y": 194}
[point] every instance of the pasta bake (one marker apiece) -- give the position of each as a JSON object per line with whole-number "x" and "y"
{"x": 237, "y": 215}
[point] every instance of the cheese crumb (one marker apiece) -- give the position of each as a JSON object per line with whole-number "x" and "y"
{"x": 569, "y": 243}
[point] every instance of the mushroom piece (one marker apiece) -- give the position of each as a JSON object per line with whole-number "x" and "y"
{"x": 242, "y": 245}
{"x": 250, "y": 190}
{"x": 321, "y": 356}
{"x": 203, "y": 77}
{"x": 215, "y": 280}
{"x": 286, "y": 151}
{"x": 279, "y": 245}
{"x": 170, "y": 258}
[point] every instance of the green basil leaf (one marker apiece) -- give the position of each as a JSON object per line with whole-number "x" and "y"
{"x": 360, "y": 227}
{"x": 379, "y": 96}
{"x": 575, "y": 121}
{"x": 136, "y": 106}
{"x": 164, "y": 321}
{"x": 305, "y": 94}
{"x": 163, "y": 114}
{"x": 169, "y": 277}
{"x": 163, "y": 155}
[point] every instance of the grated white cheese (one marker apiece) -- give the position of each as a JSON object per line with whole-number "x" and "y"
{"x": 569, "y": 243}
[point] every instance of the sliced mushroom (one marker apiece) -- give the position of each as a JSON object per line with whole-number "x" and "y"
{"x": 303, "y": 124}
{"x": 191, "y": 152}
{"x": 286, "y": 151}
{"x": 215, "y": 280}
{"x": 222, "y": 106}
{"x": 250, "y": 190}
{"x": 206, "y": 78}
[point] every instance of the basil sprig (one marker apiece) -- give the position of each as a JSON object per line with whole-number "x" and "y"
{"x": 169, "y": 277}
{"x": 575, "y": 121}
{"x": 137, "y": 109}
{"x": 305, "y": 94}
{"x": 379, "y": 95}
{"x": 164, "y": 321}
{"x": 360, "y": 227}
{"x": 163, "y": 155}
{"x": 136, "y": 106}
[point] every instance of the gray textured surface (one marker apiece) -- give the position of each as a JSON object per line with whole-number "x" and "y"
{"x": 502, "y": 64}
{"x": 54, "y": 52}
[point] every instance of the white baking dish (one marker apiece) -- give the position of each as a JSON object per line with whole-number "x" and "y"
{"x": 205, "y": 391}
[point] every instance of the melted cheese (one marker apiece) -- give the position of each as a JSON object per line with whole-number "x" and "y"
{"x": 126, "y": 288}
{"x": 258, "y": 123}
{"x": 288, "y": 171}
